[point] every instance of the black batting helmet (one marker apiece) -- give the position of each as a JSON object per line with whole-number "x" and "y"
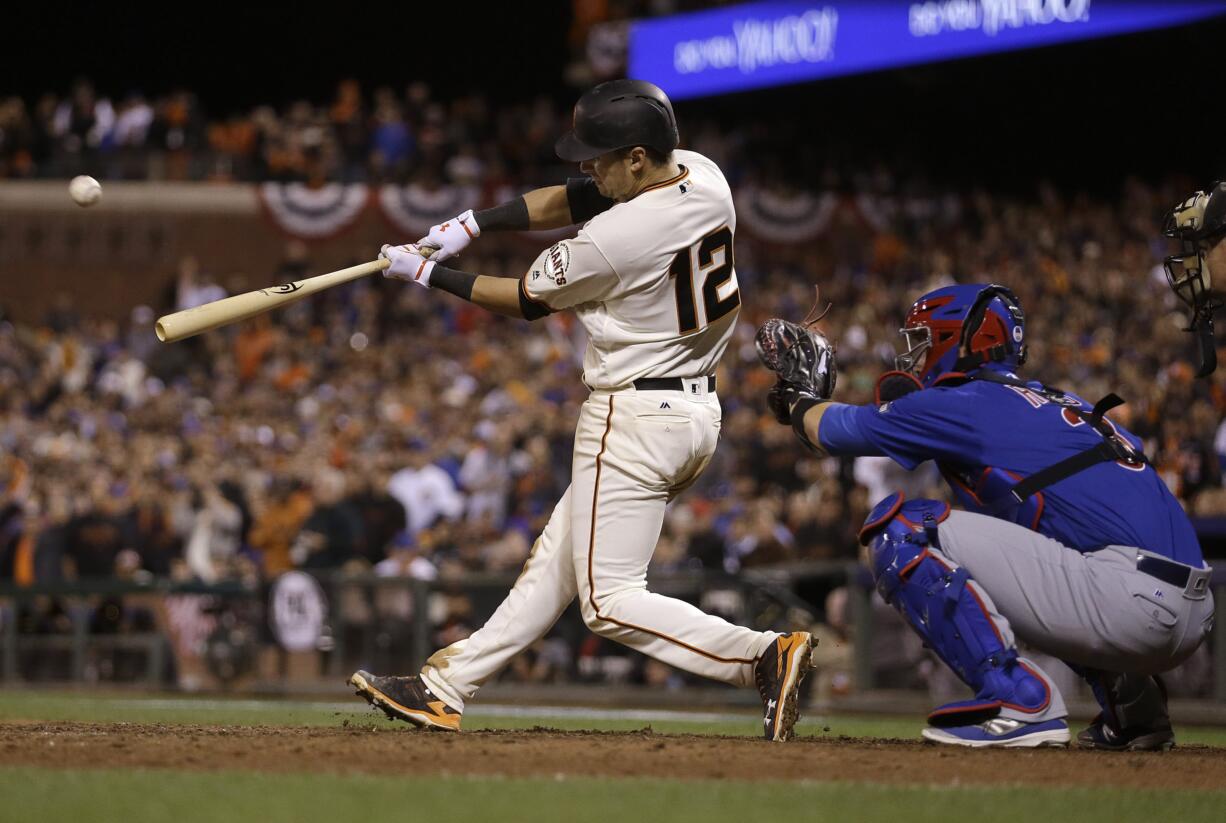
{"x": 617, "y": 115}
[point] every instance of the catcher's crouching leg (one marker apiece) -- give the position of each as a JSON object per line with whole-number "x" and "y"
{"x": 1134, "y": 713}
{"x": 952, "y": 614}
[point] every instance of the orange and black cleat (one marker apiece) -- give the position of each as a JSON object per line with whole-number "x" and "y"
{"x": 406, "y": 698}
{"x": 778, "y": 673}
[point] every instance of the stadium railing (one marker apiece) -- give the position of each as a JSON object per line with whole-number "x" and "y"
{"x": 765, "y": 598}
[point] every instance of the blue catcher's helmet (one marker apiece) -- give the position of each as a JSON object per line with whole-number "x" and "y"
{"x": 960, "y": 328}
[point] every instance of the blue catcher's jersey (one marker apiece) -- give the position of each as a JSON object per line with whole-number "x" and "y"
{"x": 986, "y": 436}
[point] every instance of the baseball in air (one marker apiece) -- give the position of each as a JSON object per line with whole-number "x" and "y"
{"x": 84, "y": 190}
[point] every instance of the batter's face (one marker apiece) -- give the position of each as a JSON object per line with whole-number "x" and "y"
{"x": 617, "y": 174}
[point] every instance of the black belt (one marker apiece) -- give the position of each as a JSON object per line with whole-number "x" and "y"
{"x": 1168, "y": 571}
{"x": 670, "y": 383}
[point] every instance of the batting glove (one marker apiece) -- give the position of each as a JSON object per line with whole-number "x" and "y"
{"x": 408, "y": 263}
{"x": 452, "y": 237}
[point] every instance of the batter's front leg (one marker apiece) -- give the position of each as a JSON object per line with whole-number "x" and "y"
{"x": 543, "y": 591}
{"x": 617, "y": 512}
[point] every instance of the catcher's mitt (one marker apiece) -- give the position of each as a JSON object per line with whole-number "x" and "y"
{"x": 802, "y": 358}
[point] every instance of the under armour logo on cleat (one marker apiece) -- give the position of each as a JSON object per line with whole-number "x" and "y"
{"x": 665, "y": 405}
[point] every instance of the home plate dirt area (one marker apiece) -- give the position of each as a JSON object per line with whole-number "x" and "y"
{"x": 364, "y": 748}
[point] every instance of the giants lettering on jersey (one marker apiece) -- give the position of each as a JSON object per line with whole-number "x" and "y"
{"x": 556, "y": 263}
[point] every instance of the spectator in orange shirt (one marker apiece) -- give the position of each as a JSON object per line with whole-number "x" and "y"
{"x": 276, "y": 527}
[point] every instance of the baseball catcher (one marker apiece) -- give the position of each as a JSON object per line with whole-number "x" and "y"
{"x": 1068, "y": 539}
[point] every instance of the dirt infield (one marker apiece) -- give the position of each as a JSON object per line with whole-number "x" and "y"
{"x": 380, "y": 749}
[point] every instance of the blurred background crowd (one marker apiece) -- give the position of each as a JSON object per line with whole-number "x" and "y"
{"x": 385, "y": 136}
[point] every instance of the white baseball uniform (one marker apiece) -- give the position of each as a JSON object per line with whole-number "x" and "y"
{"x": 653, "y": 282}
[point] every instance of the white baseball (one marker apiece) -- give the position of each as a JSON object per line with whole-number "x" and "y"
{"x": 84, "y": 190}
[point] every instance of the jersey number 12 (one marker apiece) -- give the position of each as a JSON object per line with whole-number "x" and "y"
{"x": 715, "y": 274}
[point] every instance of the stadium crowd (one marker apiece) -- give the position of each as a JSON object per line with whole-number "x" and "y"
{"x": 382, "y": 429}
{"x": 388, "y": 137}
{"x": 210, "y": 453}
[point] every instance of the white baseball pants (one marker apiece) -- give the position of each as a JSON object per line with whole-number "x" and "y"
{"x": 634, "y": 451}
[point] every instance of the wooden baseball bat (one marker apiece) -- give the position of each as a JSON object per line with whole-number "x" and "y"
{"x": 189, "y": 322}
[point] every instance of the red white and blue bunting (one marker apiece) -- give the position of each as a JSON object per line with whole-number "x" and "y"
{"x": 324, "y": 212}
{"x": 784, "y": 218}
{"x": 411, "y": 210}
{"x": 314, "y": 213}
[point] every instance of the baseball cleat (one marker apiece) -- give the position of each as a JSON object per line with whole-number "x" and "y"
{"x": 1100, "y": 735}
{"x": 1002, "y": 733}
{"x": 406, "y": 698}
{"x": 778, "y": 673}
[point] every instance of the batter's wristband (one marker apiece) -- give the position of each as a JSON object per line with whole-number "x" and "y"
{"x": 529, "y": 308}
{"x": 509, "y": 216}
{"x": 459, "y": 283}
{"x": 798, "y": 417}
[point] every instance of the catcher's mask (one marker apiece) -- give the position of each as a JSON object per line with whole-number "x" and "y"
{"x": 1199, "y": 224}
{"x": 959, "y": 329}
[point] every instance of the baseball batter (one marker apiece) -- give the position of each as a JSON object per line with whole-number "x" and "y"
{"x": 1070, "y": 540}
{"x": 651, "y": 276}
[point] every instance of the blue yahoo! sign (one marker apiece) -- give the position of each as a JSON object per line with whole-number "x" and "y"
{"x": 767, "y": 44}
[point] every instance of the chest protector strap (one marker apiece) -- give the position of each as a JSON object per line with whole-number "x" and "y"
{"x": 1113, "y": 448}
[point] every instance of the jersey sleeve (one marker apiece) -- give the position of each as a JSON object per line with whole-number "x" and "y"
{"x": 925, "y": 425}
{"x": 569, "y": 273}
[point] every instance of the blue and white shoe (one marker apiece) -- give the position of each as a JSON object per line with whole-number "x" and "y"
{"x": 1002, "y": 733}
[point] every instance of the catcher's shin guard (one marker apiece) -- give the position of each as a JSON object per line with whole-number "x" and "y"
{"x": 947, "y": 609}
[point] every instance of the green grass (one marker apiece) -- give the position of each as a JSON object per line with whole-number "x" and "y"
{"x": 157, "y": 796}
{"x": 88, "y": 707}
{"x": 94, "y": 708}
{"x": 137, "y": 795}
